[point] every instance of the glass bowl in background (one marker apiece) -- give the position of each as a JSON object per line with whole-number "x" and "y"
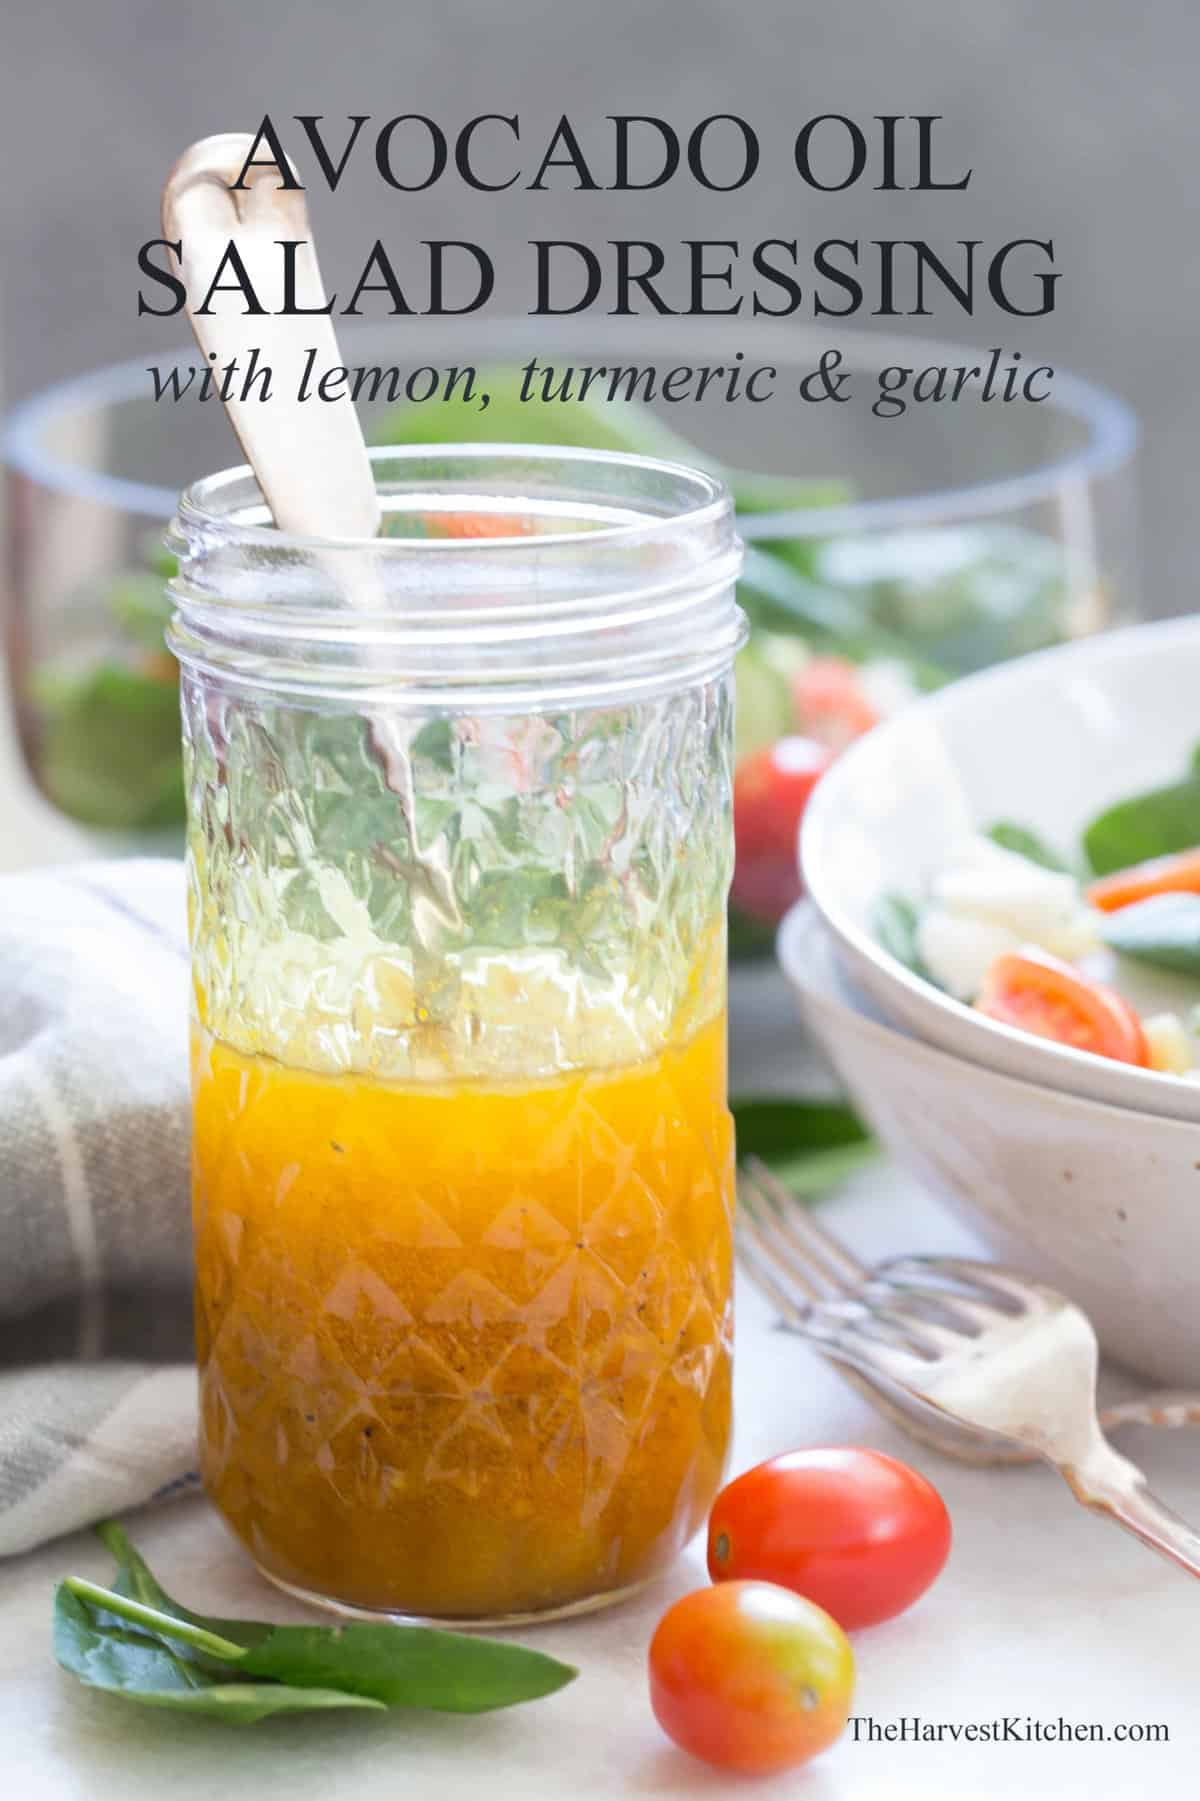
{"x": 884, "y": 555}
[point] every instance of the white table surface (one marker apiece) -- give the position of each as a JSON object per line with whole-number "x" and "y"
{"x": 1043, "y": 1611}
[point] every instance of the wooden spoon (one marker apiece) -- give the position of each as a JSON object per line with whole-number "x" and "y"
{"x": 310, "y": 456}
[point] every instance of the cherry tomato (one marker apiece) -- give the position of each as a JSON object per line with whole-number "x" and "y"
{"x": 858, "y": 1533}
{"x": 770, "y": 792}
{"x": 1161, "y": 875}
{"x": 750, "y": 1677}
{"x": 830, "y": 704}
{"x": 1037, "y": 993}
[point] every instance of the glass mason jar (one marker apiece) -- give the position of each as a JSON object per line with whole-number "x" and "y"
{"x": 459, "y": 848}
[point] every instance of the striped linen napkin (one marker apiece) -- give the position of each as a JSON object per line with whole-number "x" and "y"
{"x": 97, "y": 1388}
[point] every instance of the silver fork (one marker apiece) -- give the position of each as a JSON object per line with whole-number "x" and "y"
{"x": 959, "y": 1351}
{"x": 793, "y": 1262}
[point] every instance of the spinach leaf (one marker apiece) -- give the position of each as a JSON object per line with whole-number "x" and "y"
{"x": 135, "y": 1640}
{"x": 1019, "y": 838}
{"x": 1164, "y": 931}
{"x": 154, "y": 1621}
{"x": 94, "y": 1646}
{"x": 811, "y": 1145}
{"x": 811, "y": 1174}
{"x": 135, "y": 1580}
{"x": 1154, "y": 824}
{"x": 897, "y": 919}
{"x": 408, "y": 1666}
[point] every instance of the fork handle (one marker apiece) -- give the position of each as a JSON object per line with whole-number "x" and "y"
{"x": 1110, "y": 1484}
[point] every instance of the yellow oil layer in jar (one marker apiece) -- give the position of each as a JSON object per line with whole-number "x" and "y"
{"x": 464, "y": 1347}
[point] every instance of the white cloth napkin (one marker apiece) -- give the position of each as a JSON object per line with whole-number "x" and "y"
{"x": 97, "y": 1389}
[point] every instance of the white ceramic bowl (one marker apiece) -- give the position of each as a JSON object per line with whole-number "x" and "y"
{"x": 1102, "y": 1202}
{"x": 1049, "y": 741}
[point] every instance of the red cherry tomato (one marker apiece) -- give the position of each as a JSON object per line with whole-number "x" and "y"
{"x": 1037, "y": 993}
{"x": 770, "y": 792}
{"x": 750, "y": 1677}
{"x": 1161, "y": 875}
{"x": 829, "y": 702}
{"x": 859, "y": 1533}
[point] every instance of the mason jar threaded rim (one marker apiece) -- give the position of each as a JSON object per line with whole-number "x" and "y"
{"x": 617, "y": 580}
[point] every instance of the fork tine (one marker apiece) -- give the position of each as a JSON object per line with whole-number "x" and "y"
{"x": 987, "y": 1282}
{"x": 862, "y": 1365}
{"x": 759, "y": 1216}
{"x": 798, "y": 1317}
{"x": 879, "y": 1325}
{"x": 841, "y": 1267}
{"x": 753, "y": 1233}
{"x": 965, "y": 1314}
{"x": 935, "y": 1338}
{"x": 756, "y": 1254}
{"x": 761, "y": 1254}
{"x": 792, "y": 1312}
{"x": 875, "y": 1345}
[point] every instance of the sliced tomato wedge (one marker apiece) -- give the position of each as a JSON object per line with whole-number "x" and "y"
{"x": 1179, "y": 874}
{"x": 1037, "y": 993}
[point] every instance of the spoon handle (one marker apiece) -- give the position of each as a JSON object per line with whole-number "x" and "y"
{"x": 309, "y": 455}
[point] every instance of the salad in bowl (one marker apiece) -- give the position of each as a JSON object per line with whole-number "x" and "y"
{"x": 1094, "y": 952}
{"x": 1010, "y": 868}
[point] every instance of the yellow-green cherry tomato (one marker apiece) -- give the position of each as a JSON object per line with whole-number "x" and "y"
{"x": 750, "y": 1677}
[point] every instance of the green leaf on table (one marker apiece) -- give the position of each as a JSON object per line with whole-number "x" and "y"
{"x": 1155, "y": 824}
{"x": 171, "y": 1628}
{"x": 811, "y": 1174}
{"x": 1010, "y": 836}
{"x": 136, "y": 1640}
{"x": 811, "y": 1145}
{"x": 136, "y": 1581}
{"x": 1164, "y": 931}
{"x": 897, "y": 924}
{"x": 103, "y": 1653}
{"x": 408, "y": 1666}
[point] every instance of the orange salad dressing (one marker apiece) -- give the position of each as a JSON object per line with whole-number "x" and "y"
{"x": 464, "y": 1348}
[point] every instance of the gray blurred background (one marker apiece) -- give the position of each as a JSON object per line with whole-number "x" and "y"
{"x": 1078, "y": 116}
